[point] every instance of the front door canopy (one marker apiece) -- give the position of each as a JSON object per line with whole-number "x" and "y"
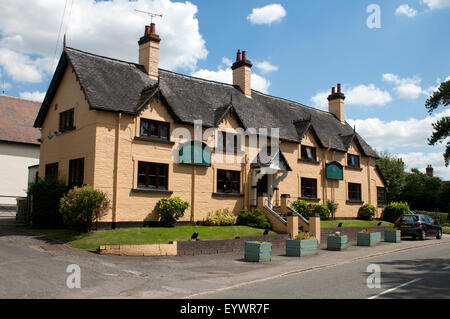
{"x": 271, "y": 161}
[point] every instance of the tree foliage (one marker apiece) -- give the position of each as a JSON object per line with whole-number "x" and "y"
{"x": 393, "y": 170}
{"x": 441, "y": 127}
{"x": 46, "y": 194}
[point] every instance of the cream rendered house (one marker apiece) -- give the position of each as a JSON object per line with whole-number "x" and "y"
{"x": 116, "y": 125}
{"x": 19, "y": 147}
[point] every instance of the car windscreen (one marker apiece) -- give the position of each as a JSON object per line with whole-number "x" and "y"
{"x": 409, "y": 218}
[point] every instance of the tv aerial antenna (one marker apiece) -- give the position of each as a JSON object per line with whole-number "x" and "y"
{"x": 151, "y": 14}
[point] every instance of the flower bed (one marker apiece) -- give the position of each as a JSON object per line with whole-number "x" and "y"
{"x": 258, "y": 251}
{"x": 304, "y": 244}
{"x": 337, "y": 242}
{"x": 368, "y": 237}
{"x": 392, "y": 235}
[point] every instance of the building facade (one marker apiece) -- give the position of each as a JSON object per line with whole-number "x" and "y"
{"x": 19, "y": 146}
{"x": 141, "y": 133}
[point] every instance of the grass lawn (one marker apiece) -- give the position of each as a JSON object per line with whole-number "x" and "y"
{"x": 148, "y": 235}
{"x": 446, "y": 229}
{"x": 352, "y": 223}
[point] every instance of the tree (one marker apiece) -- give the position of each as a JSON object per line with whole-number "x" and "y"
{"x": 441, "y": 127}
{"x": 422, "y": 191}
{"x": 393, "y": 170}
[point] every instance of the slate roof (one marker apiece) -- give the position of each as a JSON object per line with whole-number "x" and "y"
{"x": 16, "y": 120}
{"x": 118, "y": 86}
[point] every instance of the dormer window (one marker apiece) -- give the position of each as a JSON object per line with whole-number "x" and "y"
{"x": 155, "y": 129}
{"x": 353, "y": 161}
{"x": 308, "y": 153}
{"x": 66, "y": 120}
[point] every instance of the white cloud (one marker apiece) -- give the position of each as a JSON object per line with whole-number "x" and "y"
{"x": 387, "y": 135}
{"x": 266, "y": 67}
{"x": 267, "y": 14}
{"x": 437, "y": 4}
{"x": 406, "y": 10}
{"x": 420, "y": 160}
{"x": 109, "y": 28}
{"x": 225, "y": 75}
{"x": 22, "y": 68}
{"x": 406, "y": 88}
{"x": 364, "y": 95}
{"x": 33, "y": 96}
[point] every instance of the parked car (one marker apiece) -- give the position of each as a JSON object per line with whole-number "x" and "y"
{"x": 418, "y": 226}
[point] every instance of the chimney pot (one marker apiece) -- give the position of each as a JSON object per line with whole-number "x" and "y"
{"x": 333, "y": 90}
{"x": 238, "y": 56}
{"x": 244, "y": 55}
{"x": 152, "y": 28}
{"x": 339, "y": 87}
{"x": 147, "y": 30}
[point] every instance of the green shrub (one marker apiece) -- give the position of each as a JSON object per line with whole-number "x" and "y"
{"x": 394, "y": 210}
{"x": 303, "y": 208}
{"x": 366, "y": 212}
{"x": 170, "y": 210}
{"x": 46, "y": 195}
{"x": 221, "y": 217}
{"x": 253, "y": 218}
{"x": 322, "y": 210}
{"x": 332, "y": 206}
{"x": 82, "y": 206}
{"x": 307, "y": 210}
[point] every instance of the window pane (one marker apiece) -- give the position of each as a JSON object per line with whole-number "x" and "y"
{"x": 144, "y": 128}
{"x": 152, "y": 181}
{"x": 154, "y": 129}
{"x": 164, "y": 131}
{"x": 141, "y": 180}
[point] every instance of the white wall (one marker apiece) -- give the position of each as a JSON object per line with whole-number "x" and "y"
{"x": 14, "y": 162}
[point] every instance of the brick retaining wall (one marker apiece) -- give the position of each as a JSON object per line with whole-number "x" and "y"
{"x": 227, "y": 245}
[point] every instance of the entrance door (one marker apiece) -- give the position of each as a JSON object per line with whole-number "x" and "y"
{"x": 261, "y": 187}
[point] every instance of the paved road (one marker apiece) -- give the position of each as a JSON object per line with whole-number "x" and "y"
{"x": 417, "y": 273}
{"x": 34, "y": 267}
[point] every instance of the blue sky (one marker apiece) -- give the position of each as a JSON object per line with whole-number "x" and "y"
{"x": 387, "y": 73}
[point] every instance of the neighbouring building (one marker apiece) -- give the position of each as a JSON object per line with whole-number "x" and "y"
{"x": 114, "y": 124}
{"x": 19, "y": 147}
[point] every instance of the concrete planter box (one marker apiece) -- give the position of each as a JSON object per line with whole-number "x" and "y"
{"x": 256, "y": 251}
{"x": 392, "y": 236}
{"x": 337, "y": 242}
{"x": 298, "y": 248}
{"x": 368, "y": 239}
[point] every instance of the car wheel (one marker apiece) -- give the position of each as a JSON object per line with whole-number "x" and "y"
{"x": 439, "y": 234}
{"x": 423, "y": 235}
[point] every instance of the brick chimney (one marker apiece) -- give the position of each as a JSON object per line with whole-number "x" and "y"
{"x": 336, "y": 103}
{"x": 429, "y": 171}
{"x": 149, "y": 51}
{"x": 242, "y": 72}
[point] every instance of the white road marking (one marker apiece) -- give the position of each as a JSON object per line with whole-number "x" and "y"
{"x": 395, "y": 288}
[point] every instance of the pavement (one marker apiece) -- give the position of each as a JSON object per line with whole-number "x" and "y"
{"x": 33, "y": 266}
